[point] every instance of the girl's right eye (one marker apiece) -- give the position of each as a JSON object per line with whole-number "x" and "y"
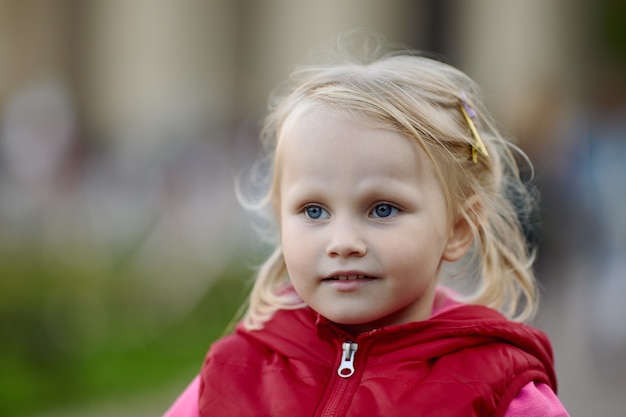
{"x": 315, "y": 213}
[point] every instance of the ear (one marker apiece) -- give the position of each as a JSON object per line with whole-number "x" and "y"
{"x": 461, "y": 235}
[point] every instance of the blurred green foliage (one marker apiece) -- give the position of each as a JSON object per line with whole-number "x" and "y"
{"x": 77, "y": 333}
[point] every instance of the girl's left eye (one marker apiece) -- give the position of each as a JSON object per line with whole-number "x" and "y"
{"x": 384, "y": 210}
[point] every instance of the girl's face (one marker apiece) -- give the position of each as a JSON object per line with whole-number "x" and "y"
{"x": 363, "y": 221}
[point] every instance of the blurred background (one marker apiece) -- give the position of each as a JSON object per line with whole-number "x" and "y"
{"x": 123, "y": 125}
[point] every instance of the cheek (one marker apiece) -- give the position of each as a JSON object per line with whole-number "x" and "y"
{"x": 296, "y": 249}
{"x": 416, "y": 248}
{"x": 287, "y": 234}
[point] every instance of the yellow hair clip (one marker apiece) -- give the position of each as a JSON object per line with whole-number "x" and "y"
{"x": 478, "y": 146}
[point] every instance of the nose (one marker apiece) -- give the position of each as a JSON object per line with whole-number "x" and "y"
{"x": 346, "y": 240}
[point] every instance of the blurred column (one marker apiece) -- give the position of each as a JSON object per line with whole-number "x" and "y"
{"x": 283, "y": 33}
{"x": 37, "y": 118}
{"x": 33, "y": 42}
{"x": 514, "y": 49}
{"x": 149, "y": 66}
{"x": 155, "y": 81}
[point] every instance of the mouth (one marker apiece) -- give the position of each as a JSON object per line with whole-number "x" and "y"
{"x": 348, "y": 277}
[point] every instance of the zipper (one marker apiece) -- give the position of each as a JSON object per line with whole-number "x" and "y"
{"x": 335, "y": 396}
{"x": 346, "y": 367}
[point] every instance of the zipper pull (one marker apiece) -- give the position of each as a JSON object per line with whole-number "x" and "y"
{"x": 346, "y": 367}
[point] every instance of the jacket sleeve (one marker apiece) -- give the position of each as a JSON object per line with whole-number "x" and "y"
{"x": 187, "y": 404}
{"x": 536, "y": 400}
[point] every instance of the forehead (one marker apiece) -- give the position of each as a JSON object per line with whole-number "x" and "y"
{"x": 322, "y": 139}
{"x": 310, "y": 113}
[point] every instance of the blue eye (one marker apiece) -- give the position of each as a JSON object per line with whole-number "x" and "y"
{"x": 315, "y": 213}
{"x": 384, "y": 210}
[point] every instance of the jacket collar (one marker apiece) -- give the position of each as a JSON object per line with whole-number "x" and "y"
{"x": 306, "y": 334}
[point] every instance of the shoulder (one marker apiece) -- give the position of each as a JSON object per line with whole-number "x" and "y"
{"x": 249, "y": 370}
{"x": 536, "y": 400}
{"x": 484, "y": 328}
{"x": 290, "y": 333}
{"x": 492, "y": 355}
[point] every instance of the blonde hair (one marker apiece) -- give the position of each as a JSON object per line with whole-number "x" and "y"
{"x": 420, "y": 98}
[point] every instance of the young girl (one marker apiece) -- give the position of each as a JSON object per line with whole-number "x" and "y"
{"x": 383, "y": 173}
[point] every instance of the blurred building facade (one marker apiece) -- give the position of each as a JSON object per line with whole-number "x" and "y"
{"x": 136, "y": 88}
{"x": 157, "y": 65}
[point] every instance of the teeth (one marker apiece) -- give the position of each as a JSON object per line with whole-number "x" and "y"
{"x": 349, "y": 277}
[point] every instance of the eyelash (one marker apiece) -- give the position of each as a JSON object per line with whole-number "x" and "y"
{"x": 372, "y": 213}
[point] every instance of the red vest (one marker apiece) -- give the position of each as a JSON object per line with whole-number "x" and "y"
{"x": 467, "y": 361}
